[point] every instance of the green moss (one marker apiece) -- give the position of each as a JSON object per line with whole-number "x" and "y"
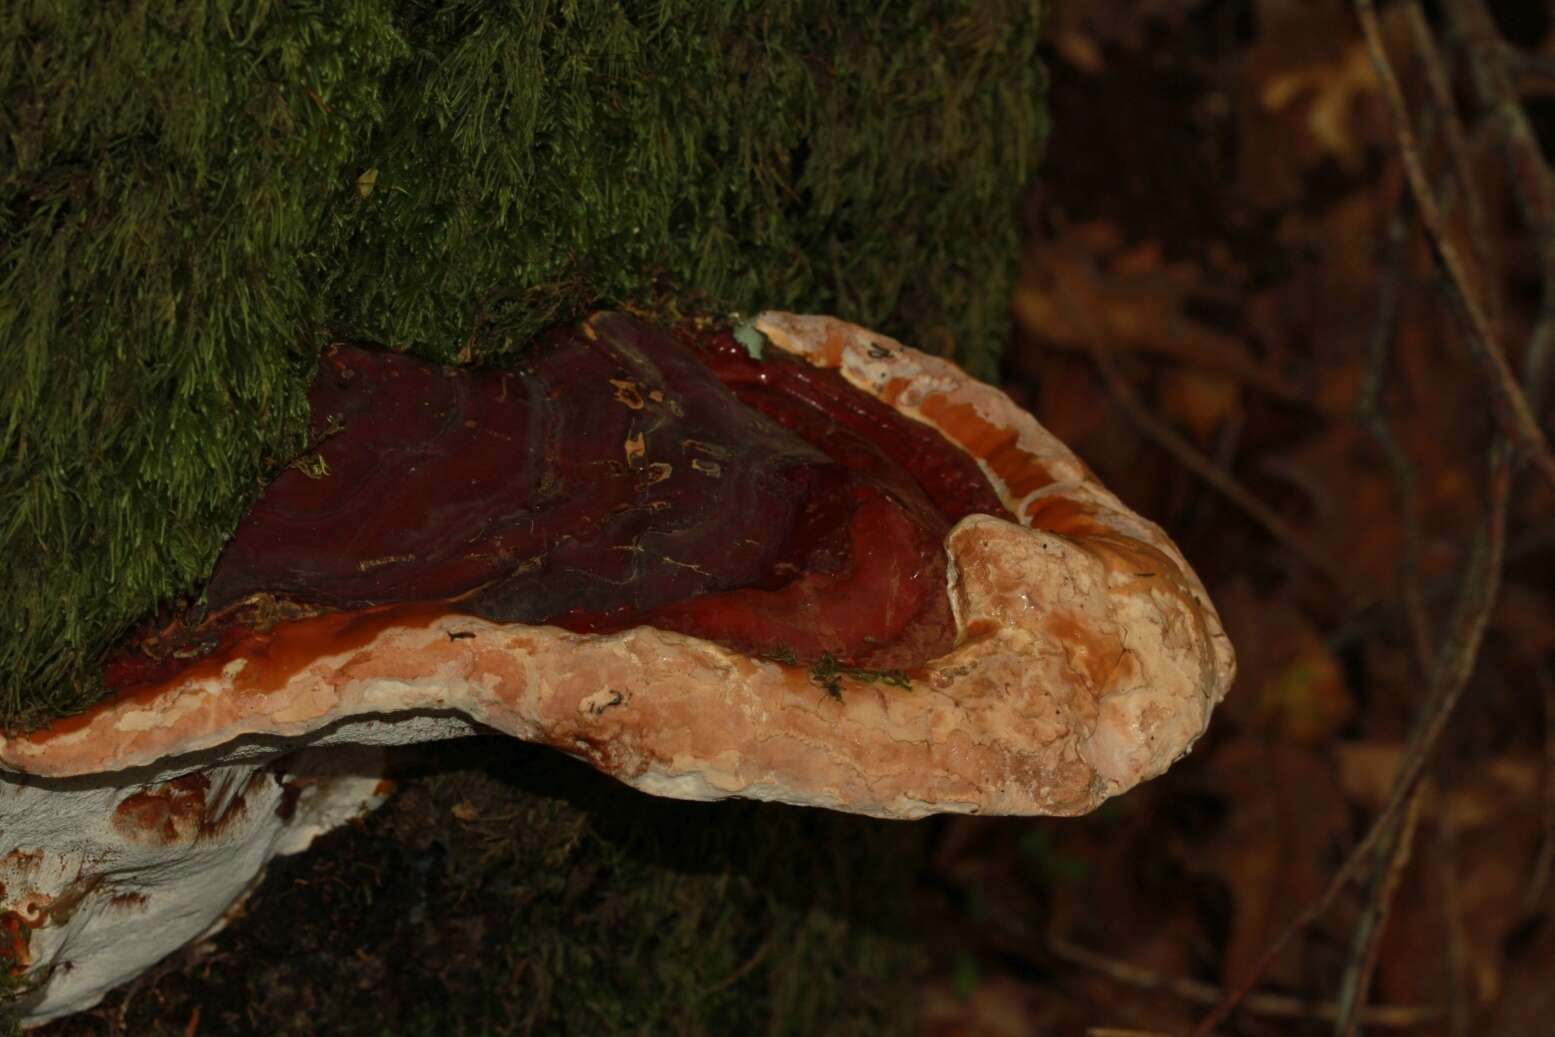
{"x": 13, "y": 993}
{"x": 195, "y": 196}
{"x": 629, "y": 915}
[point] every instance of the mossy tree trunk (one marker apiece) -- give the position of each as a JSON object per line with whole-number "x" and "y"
{"x": 196, "y": 195}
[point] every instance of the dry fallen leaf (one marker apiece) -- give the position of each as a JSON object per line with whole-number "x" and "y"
{"x": 1304, "y": 93}
{"x": 1329, "y": 88}
{"x": 1083, "y": 292}
{"x": 1501, "y": 786}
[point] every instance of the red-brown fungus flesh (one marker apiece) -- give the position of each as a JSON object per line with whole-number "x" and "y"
{"x": 616, "y": 476}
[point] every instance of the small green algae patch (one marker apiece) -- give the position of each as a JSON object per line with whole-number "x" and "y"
{"x": 829, "y": 674}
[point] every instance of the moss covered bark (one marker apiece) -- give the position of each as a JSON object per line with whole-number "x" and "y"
{"x": 195, "y": 195}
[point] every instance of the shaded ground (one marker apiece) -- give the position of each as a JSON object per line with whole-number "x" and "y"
{"x": 507, "y": 889}
{"x": 1229, "y": 307}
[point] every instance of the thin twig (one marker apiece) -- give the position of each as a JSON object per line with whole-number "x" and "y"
{"x": 1481, "y": 583}
{"x": 1272, "y": 1006}
{"x": 1189, "y": 456}
{"x": 1529, "y": 173}
{"x": 1192, "y": 459}
{"x": 1439, "y": 90}
{"x": 1368, "y": 407}
{"x": 1510, "y": 405}
{"x": 1492, "y": 63}
{"x": 1393, "y": 854}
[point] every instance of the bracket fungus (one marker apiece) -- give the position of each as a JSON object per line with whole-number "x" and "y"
{"x": 832, "y": 571}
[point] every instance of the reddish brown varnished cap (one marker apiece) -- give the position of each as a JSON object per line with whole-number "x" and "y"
{"x": 1057, "y": 647}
